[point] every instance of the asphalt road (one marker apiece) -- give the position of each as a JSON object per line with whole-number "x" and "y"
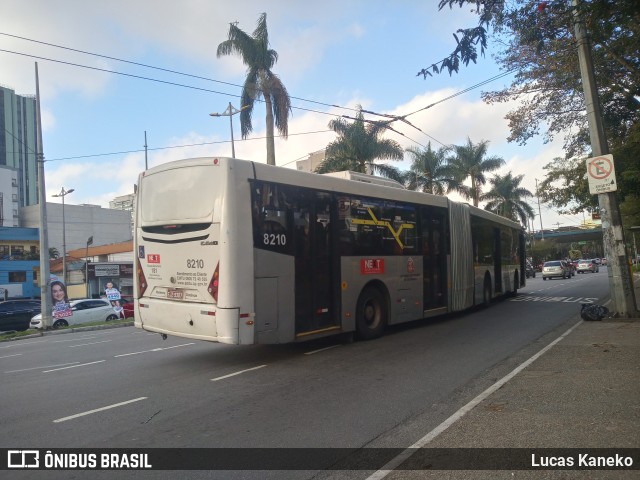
{"x": 127, "y": 388}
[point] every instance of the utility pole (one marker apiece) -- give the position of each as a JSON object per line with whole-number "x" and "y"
{"x": 146, "y": 165}
{"x": 620, "y": 284}
{"x": 45, "y": 298}
{"x": 539, "y": 212}
{"x": 230, "y": 111}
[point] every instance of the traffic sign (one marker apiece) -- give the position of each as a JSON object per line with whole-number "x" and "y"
{"x": 601, "y": 174}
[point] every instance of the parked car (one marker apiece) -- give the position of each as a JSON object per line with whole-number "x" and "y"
{"x": 82, "y": 311}
{"x": 556, "y": 268}
{"x": 588, "y": 266}
{"x": 16, "y": 314}
{"x": 127, "y": 307}
{"x": 529, "y": 270}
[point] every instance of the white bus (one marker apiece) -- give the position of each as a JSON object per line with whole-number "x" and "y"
{"x": 240, "y": 252}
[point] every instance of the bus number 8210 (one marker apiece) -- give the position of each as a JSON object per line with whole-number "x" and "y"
{"x": 274, "y": 239}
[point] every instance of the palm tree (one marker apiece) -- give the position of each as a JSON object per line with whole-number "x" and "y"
{"x": 261, "y": 82}
{"x": 506, "y": 198}
{"x": 54, "y": 253}
{"x": 429, "y": 170}
{"x": 469, "y": 162}
{"x": 358, "y": 145}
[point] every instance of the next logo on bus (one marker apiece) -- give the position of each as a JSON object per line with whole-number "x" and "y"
{"x": 372, "y": 266}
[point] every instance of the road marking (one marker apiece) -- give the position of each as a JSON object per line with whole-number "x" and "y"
{"x": 22, "y": 343}
{"x": 73, "y": 366}
{"x": 39, "y": 368}
{"x": 397, "y": 461}
{"x": 14, "y": 355}
{"x": 108, "y": 407}
{"x": 154, "y": 350}
{"x": 74, "y": 339}
{"x": 92, "y": 343}
{"x": 321, "y": 350}
{"x": 237, "y": 373}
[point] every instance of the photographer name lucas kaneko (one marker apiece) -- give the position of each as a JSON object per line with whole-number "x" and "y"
{"x": 582, "y": 460}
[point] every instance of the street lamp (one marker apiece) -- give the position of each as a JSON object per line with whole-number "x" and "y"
{"x": 62, "y": 194}
{"x": 230, "y": 112}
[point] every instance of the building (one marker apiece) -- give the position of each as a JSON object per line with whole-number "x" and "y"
{"x": 18, "y": 133}
{"x": 312, "y": 162}
{"x": 99, "y": 265}
{"x": 81, "y": 222}
{"x": 126, "y": 203}
{"x": 19, "y": 262}
{"x": 9, "y": 197}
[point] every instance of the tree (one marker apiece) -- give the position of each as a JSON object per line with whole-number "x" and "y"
{"x": 260, "y": 82}
{"x": 429, "y": 170}
{"x": 469, "y": 162}
{"x": 566, "y": 186}
{"x": 539, "y": 46}
{"x": 358, "y": 145}
{"x": 506, "y": 198}
{"x": 54, "y": 253}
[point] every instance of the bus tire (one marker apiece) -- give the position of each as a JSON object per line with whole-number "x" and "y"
{"x": 371, "y": 313}
{"x": 486, "y": 292}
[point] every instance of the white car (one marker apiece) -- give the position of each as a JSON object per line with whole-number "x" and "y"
{"x": 82, "y": 311}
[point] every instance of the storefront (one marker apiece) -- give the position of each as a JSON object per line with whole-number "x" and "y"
{"x": 120, "y": 274}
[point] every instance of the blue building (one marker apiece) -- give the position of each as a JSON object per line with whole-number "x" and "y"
{"x": 19, "y": 262}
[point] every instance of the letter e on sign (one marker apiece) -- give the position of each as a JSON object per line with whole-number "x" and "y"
{"x": 372, "y": 266}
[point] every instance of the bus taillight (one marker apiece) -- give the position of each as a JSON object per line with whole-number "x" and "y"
{"x": 213, "y": 284}
{"x": 142, "y": 281}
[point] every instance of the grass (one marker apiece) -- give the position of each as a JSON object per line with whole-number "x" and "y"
{"x": 35, "y": 331}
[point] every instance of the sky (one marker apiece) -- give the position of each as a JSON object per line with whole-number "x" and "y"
{"x": 332, "y": 56}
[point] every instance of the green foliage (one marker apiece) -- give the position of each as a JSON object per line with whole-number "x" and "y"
{"x": 470, "y": 162}
{"x": 506, "y": 198}
{"x": 358, "y": 145}
{"x": 260, "y": 82}
{"x": 429, "y": 170}
{"x": 566, "y": 186}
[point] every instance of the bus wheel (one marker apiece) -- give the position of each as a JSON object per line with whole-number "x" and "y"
{"x": 371, "y": 314}
{"x": 60, "y": 324}
{"x": 486, "y": 296}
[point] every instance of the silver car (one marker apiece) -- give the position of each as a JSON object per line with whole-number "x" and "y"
{"x": 82, "y": 311}
{"x": 556, "y": 268}
{"x": 588, "y": 266}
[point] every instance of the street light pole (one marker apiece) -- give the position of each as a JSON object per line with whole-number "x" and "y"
{"x": 230, "y": 112}
{"x": 63, "y": 193}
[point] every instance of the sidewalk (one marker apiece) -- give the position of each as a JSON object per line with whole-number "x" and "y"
{"x": 584, "y": 392}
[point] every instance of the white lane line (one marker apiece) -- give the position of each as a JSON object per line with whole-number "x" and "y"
{"x": 154, "y": 350}
{"x": 74, "y": 339}
{"x": 92, "y": 343}
{"x": 321, "y": 350}
{"x": 397, "y": 461}
{"x": 73, "y": 366}
{"x": 40, "y": 368}
{"x": 14, "y": 355}
{"x": 108, "y": 407}
{"x": 237, "y": 373}
{"x": 15, "y": 344}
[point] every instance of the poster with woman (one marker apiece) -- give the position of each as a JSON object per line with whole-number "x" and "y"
{"x": 60, "y": 300}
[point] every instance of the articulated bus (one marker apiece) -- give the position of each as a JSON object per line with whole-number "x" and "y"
{"x": 239, "y": 252}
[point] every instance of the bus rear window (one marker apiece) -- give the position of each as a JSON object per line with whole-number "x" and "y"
{"x": 181, "y": 194}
